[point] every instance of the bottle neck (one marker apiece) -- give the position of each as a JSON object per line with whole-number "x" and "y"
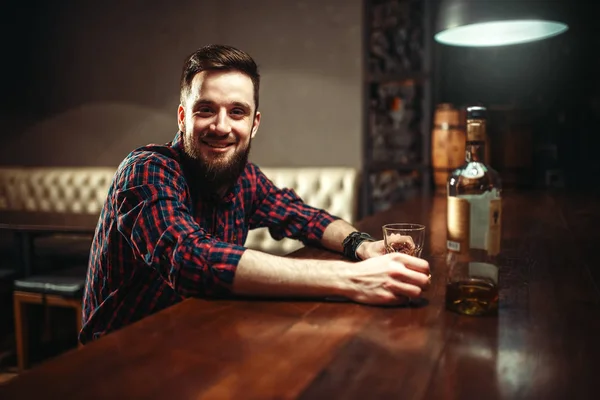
{"x": 476, "y": 137}
{"x": 475, "y": 151}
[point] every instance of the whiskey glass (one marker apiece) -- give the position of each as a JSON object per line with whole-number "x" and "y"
{"x": 407, "y": 238}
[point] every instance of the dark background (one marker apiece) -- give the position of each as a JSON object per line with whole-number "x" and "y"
{"x": 555, "y": 82}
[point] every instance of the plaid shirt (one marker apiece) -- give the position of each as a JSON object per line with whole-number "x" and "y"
{"x": 161, "y": 238}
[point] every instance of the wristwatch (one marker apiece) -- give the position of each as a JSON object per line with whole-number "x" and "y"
{"x": 352, "y": 241}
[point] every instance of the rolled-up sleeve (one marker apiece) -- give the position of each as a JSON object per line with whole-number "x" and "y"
{"x": 285, "y": 214}
{"x": 154, "y": 216}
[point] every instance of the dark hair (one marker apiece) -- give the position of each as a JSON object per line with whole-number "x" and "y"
{"x": 218, "y": 57}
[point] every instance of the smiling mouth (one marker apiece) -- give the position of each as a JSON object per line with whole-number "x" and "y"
{"x": 217, "y": 145}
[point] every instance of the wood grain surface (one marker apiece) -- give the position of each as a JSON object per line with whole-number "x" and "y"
{"x": 543, "y": 344}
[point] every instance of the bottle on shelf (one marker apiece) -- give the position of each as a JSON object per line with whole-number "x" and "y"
{"x": 474, "y": 226}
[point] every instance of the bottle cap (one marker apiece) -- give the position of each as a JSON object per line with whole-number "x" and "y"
{"x": 476, "y": 112}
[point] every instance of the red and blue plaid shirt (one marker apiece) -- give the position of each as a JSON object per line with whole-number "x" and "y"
{"x": 161, "y": 238}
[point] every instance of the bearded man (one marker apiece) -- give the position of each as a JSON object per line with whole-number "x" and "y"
{"x": 177, "y": 215}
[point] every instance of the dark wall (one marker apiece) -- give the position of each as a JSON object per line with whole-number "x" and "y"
{"x": 84, "y": 82}
{"x": 100, "y": 78}
{"x": 20, "y": 40}
{"x": 554, "y": 82}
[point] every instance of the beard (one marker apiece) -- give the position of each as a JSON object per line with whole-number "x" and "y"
{"x": 219, "y": 173}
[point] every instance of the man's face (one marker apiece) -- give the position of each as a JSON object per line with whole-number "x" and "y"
{"x": 218, "y": 122}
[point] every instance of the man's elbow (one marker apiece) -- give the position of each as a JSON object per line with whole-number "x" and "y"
{"x": 202, "y": 282}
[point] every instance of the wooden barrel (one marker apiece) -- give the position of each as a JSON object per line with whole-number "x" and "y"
{"x": 447, "y": 143}
{"x": 512, "y": 154}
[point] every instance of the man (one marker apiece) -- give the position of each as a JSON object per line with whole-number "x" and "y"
{"x": 176, "y": 217}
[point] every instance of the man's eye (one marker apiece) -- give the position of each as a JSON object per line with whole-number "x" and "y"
{"x": 204, "y": 110}
{"x": 238, "y": 111}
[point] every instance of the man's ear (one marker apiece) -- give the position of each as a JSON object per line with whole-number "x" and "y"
{"x": 181, "y": 118}
{"x": 255, "y": 124}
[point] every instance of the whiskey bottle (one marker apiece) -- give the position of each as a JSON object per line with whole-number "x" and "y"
{"x": 474, "y": 226}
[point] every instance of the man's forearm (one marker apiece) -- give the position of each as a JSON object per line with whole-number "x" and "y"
{"x": 334, "y": 236}
{"x": 263, "y": 274}
{"x": 335, "y": 233}
{"x": 267, "y": 275}
{"x": 387, "y": 279}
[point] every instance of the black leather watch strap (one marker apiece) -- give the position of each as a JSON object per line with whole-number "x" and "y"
{"x": 351, "y": 243}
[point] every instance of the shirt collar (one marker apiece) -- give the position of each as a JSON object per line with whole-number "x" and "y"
{"x": 177, "y": 143}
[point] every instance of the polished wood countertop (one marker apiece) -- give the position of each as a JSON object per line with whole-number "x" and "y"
{"x": 543, "y": 344}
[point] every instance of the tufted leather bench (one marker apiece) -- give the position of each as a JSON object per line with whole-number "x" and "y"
{"x": 55, "y": 189}
{"x": 334, "y": 189}
{"x": 84, "y": 189}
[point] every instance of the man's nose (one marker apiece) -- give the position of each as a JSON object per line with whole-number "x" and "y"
{"x": 221, "y": 125}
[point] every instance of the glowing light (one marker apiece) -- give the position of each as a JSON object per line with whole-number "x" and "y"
{"x": 500, "y": 33}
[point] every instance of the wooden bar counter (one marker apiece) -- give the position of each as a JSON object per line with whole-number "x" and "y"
{"x": 544, "y": 344}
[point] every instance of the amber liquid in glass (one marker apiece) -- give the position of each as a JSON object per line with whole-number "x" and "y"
{"x": 472, "y": 296}
{"x": 405, "y": 248}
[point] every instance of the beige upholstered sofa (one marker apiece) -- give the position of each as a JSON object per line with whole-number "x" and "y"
{"x": 332, "y": 189}
{"x": 84, "y": 189}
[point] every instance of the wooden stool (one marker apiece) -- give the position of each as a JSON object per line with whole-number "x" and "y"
{"x": 62, "y": 288}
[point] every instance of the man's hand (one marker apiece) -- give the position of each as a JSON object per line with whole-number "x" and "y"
{"x": 396, "y": 242}
{"x": 370, "y": 249}
{"x": 387, "y": 279}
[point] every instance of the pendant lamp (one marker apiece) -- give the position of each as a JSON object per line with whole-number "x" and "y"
{"x": 482, "y": 23}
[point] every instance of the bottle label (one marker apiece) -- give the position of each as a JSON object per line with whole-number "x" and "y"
{"x": 476, "y": 130}
{"x": 495, "y": 227}
{"x": 458, "y": 225}
{"x": 474, "y": 221}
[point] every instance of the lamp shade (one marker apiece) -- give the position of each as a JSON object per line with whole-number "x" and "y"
{"x": 480, "y": 23}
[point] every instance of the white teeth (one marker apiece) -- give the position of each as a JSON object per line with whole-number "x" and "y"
{"x": 217, "y": 145}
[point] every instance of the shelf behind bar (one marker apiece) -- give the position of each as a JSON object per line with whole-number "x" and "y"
{"x": 386, "y": 165}
{"x": 399, "y": 77}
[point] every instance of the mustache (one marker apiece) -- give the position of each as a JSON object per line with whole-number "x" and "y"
{"x": 216, "y": 138}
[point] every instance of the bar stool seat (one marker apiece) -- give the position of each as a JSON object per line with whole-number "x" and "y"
{"x": 59, "y": 285}
{"x": 62, "y": 288}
